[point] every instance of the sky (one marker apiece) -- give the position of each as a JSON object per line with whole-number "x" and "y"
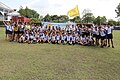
{"x": 61, "y": 7}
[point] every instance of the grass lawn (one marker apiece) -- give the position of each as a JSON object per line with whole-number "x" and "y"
{"x": 58, "y": 62}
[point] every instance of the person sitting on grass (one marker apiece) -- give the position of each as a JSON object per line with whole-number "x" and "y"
{"x": 68, "y": 39}
{"x": 53, "y": 39}
{"x": 22, "y": 39}
{"x": 30, "y": 38}
{"x": 58, "y": 40}
{"x": 84, "y": 41}
{"x": 73, "y": 39}
{"x": 90, "y": 40}
{"x": 49, "y": 38}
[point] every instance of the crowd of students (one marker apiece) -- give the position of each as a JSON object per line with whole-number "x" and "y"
{"x": 71, "y": 34}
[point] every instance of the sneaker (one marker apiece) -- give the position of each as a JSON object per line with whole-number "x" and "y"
{"x": 112, "y": 46}
{"x": 101, "y": 46}
{"x": 109, "y": 46}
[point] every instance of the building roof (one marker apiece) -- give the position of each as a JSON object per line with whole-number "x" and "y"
{"x": 2, "y": 5}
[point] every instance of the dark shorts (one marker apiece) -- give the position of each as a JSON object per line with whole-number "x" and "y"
{"x": 97, "y": 36}
{"x": 102, "y": 37}
{"x": 6, "y": 31}
{"x": 94, "y": 35}
{"x": 15, "y": 32}
{"x": 30, "y": 39}
{"x": 109, "y": 36}
{"x": 21, "y": 32}
{"x": 9, "y": 32}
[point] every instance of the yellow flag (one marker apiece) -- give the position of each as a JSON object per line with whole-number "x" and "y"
{"x": 73, "y": 12}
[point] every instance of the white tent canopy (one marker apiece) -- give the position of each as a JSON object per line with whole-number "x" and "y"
{"x": 14, "y": 14}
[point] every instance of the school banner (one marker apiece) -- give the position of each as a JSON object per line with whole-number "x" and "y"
{"x": 73, "y": 12}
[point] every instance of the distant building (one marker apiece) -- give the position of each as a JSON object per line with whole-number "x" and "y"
{"x": 6, "y": 12}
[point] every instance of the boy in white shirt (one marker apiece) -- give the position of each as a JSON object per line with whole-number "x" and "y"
{"x": 110, "y": 35}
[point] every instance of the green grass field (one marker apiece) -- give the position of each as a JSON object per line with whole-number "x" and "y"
{"x": 58, "y": 62}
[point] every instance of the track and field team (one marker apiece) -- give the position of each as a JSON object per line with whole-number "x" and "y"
{"x": 71, "y": 35}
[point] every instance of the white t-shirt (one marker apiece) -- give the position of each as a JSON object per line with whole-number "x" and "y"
{"x": 84, "y": 40}
{"x": 58, "y": 37}
{"x": 97, "y": 32}
{"x": 31, "y": 36}
{"x": 102, "y": 33}
{"x": 63, "y": 37}
{"x": 53, "y": 37}
{"x": 10, "y": 28}
{"x": 90, "y": 38}
{"x": 110, "y": 30}
{"x": 73, "y": 38}
{"x": 7, "y": 27}
{"x": 23, "y": 37}
{"x": 68, "y": 38}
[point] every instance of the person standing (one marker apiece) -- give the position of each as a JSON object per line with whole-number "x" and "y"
{"x": 102, "y": 36}
{"x": 110, "y": 36}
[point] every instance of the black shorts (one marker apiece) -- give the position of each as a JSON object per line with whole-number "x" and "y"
{"x": 21, "y": 32}
{"x": 15, "y": 32}
{"x": 102, "y": 37}
{"x": 97, "y": 36}
{"x": 6, "y": 31}
{"x": 94, "y": 35}
{"x": 30, "y": 39}
{"x": 109, "y": 36}
{"x": 10, "y": 32}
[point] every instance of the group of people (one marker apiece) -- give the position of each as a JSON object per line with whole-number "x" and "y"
{"x": 71, "y": 34}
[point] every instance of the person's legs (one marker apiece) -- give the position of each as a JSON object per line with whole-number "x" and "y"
{"x": 112, "y": 43}
{"x": 6, "y": 37}
{"x": 108, "y": 42}
{"x": 102, "y": 43}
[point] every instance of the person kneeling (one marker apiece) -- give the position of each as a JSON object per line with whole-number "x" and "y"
{"x": 22, "y": 39}
{"x": 84, "y": 41}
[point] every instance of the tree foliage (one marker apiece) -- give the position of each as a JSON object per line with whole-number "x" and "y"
{"x": 112, "y": 22}
{"x": 100, "y": 20}
{"x": 118, "y": 10}
{"x": 88, "y": 18}
{"x": 56, "y": 18}
{"x": 29, "y": 13}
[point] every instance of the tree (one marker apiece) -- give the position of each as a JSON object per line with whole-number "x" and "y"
{"x": 100, "y": 20}
{"x": 56, "y": 18}
{"x": 88, "y": 18}
{"x": 76, "y": 19}
{"x": 47, "y": 18}
{"x": 63, "y": 18}
{"x": 118, "y": 10}
{"x": 22, "y": 11}
{"x": 112, "y": 22}
{"x": 28, "y": 12}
